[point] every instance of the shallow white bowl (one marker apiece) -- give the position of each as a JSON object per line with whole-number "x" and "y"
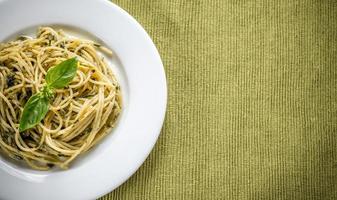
{"x": 138, "y": 68}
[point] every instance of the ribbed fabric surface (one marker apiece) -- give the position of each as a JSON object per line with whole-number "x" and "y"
{"x": 252, "y": 108}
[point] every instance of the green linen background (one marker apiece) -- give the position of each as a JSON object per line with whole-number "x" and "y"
{"x": 252, "y": 104}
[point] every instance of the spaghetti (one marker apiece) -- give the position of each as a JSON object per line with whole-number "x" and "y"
{"x": 79, "y": 116}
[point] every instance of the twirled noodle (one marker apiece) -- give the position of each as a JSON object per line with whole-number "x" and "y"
{"x": 79, "y": 115}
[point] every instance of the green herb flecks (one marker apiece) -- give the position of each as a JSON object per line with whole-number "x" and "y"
{"x": 37, "y": 105}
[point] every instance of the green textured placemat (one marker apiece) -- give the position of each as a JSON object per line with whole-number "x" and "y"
{"x": 252, "y": 110}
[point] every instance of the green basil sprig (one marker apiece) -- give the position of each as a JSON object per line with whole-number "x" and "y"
{"x": 37, "y": 105}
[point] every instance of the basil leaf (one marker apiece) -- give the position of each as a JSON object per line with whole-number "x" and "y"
{"x": 62, "y": 74}
{"x": 34, "y": 111}
{"x": 36, "y": 107}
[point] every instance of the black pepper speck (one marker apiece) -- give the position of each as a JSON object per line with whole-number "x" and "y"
{"x": 50, "y": 165}
{"x": 28, "y": 95}
{"x": 10, "y": 80}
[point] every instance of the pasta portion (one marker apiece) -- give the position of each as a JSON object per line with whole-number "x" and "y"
{"x": 79, "y": 115}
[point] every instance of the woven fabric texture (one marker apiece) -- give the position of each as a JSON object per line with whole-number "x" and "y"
{"x": 252, "y": 104}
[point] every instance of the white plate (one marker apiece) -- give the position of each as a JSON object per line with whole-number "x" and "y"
{"x": 138, "y": 68}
